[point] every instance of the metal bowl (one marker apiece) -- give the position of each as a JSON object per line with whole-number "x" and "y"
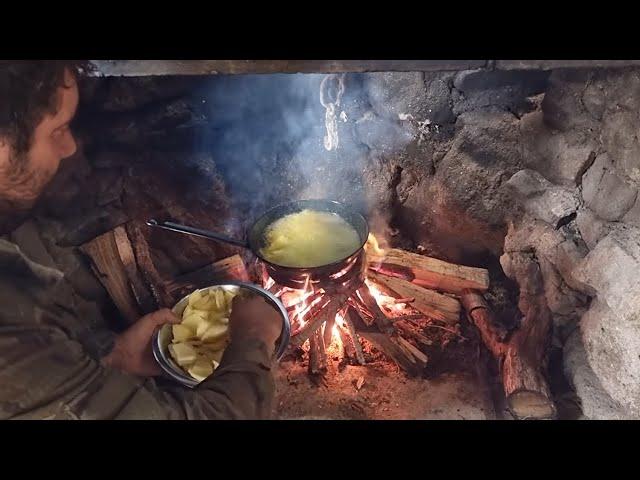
{"x": 162, "y": 337}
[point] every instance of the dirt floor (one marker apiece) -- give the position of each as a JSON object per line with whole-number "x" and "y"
{"x": 454, "y": 386}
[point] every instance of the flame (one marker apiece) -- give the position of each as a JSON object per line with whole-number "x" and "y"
{"x": 373, "y": 247}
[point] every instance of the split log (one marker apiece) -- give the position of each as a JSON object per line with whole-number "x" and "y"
{"x": 108, "y": 267}
{"x": 385, "y": 344}
{"x": 432, "y": 304}
{"x": 519, "y": 357}
{"x": 348, "y": 346}
{"x": 227, "y": 269}
{"x": 317, "y": 354}
{"x": 145, "y": 263}
{"x": 429, "y": 272}
{"x": 407, "y": 329}
{"x": 315, "y": 320}
{"x": 328, "y": 330}
{"x": 142, "y": 294}
{"x": 348, "y": 320}
{"x": 417, "y": 354}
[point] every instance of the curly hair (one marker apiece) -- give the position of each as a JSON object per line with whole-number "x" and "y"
{"x": 28, "y": 92}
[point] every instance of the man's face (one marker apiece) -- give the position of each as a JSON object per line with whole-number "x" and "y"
{"x": 52, "y": 142}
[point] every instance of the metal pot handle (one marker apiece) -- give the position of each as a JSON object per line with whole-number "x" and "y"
{"x": 198, "y": 232}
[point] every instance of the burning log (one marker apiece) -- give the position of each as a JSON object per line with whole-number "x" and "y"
{"x": 317, "y": 354}
{"x": 379, "y": 317}
{"x": 328, "y": 330}
{"x": 429, "y": 272}
{"x": 348, "y": 320}
{"x": 317, "y": 317}
{"x": 430, "y": 303}
{"x": 519, "y": 357}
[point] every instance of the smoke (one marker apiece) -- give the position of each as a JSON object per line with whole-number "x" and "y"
{"x": 278, "y": 138}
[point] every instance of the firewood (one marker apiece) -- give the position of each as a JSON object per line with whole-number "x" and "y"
{"x": 108, "y": 267}
{"x": 347, "y": 345}
{"x": 417, "y": 354}
{"x": 317, "y": 354}
{"x": 348, "y": 320}
{"x": 406, "y": 329}
{"x": 519, "y": 357}
{"x": 430, "y": 272}
{"x": 432, "y": 304}
{"x": 135, "y": 231}
{"x": 328, "y": 330}
{"x": 314, "y": 323}
{"x": 142, "y": 294}
{"x": 379, "y": 317}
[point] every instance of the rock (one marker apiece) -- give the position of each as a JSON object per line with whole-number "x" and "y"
{"x": 561, "y": 299}
{"x": 612, "y": 343}
{"x": 620, "y": 139}
{"x": 395, "y": 93}
{"x": 610, "y": 271}
{"x": 561, "y": 157}
{"x": 593, "y": 98}
{"x": 633, "y": 215}
{"x": 131, "y": 93}
{"x": 596, "y": 402}
{"x": 605, "y": 192}
{"x": 555, "y": 245}
{"x": 527, "y": 82}
{"x": 562, "y": 104}
{"x": 592, "y": 228}
{"x": 86, "y": 226}
{"x": 541, "y": 198}
{"x": 383, "y": 135}
{"x": 439, "y": 102}
{"x": 622, "y": 89}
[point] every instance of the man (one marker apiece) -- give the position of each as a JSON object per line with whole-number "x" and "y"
{"x": 58, "y": 359}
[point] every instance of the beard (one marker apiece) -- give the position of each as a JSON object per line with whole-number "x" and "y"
{"x": 20, "y": 188}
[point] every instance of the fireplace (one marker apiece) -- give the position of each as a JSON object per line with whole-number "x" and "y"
{"x": 502, "y": 197}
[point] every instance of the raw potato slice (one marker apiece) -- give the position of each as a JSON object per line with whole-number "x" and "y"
{"x": 193, "y": 320}
{"x": 221, "y": 302}
{"x": 229, "y": 296}
{"x": 201, "y": 369}
{"x": 181, "y": 333}
{"x": 213, "y": 356}
{"x": 194, "y": 297}
{"x": 183, "y": 353}
{"x": 215, "y": 346}
{"x": 214, "y": 333}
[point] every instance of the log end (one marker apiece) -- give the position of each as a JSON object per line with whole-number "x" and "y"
{"x": 527, "y": 404}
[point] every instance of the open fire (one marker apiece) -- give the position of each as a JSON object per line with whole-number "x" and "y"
{"x": 374, "y": 301}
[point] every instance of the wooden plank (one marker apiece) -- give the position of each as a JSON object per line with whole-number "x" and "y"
{"x": 432, "y": 304}
{"x": 432, "y": 273}
{"x": 106, "y": 263}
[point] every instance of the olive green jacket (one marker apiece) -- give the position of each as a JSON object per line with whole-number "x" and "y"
{"x": 52, "y": 339}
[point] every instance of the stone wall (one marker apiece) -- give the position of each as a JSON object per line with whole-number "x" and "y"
{"x": 525, "y": 163}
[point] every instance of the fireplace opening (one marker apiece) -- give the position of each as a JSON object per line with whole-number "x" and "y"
{"x": 483, "y": 286}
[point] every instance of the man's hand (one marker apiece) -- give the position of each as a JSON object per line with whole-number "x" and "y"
{"x": 132, "y": 351}
{"x": 253, "y": 318}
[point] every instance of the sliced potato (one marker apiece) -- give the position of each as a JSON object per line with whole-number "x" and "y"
{"x": 214, "y": 333}
{"x": 181, "y": 333}
{"x": 213, "y": 356}
{"x": 201, "y": 369}
{"x": 194, "y": 319}
{"x": 183, "y": 354}
{"x": 195, "y": 296}
{"x": 214, "y": 346}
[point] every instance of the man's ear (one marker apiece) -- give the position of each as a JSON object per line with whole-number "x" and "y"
{"x": 4, "y": 152}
